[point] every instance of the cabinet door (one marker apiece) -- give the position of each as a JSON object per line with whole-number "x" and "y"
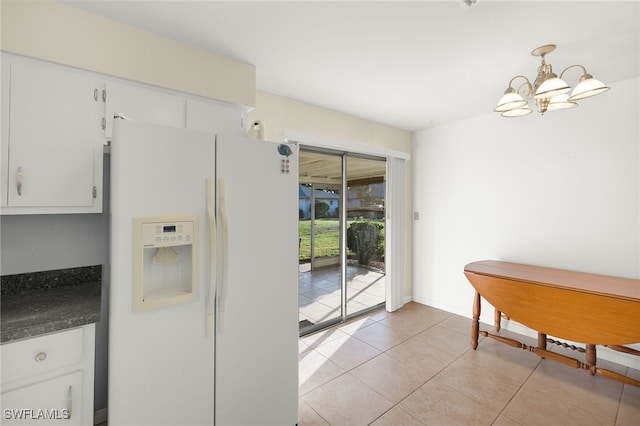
{"x": 215, "y": 117}
{"x": 54, "y": 126}
{"x": 4, "y": 130}
{"x": 51, "y": 402}
{"x": 142, "y": 104}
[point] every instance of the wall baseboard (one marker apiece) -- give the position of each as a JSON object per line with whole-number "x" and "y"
{"x": 486, "y": 320}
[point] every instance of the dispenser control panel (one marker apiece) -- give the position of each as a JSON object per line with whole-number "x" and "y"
{"x": 165, "y": 261}
{"x": 167, "y": 234}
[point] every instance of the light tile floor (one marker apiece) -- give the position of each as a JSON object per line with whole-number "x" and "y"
{"x": 416, "y": 367}
{"x": 319, "y": 291}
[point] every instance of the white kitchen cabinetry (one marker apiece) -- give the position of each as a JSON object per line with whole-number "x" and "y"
{"x": 49, "y": 379}
{"x": 215, "y": 117}
{"x": 51, "y": 144}
{"x": 57, "y": 119}
{"x": 143, "y": 104}
{"x": 155, "y": 106}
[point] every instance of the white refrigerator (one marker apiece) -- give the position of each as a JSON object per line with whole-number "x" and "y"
{"x": 203, "y": 309}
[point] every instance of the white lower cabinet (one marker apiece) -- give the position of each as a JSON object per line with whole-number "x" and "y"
{"x": 51, "y": 402}
{"x": 49, "y": 379}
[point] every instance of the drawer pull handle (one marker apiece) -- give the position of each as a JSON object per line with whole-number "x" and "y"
{"x": 19, "y": 176}
{"x": 41, "y": 356}
{"x": 69, "y": 402}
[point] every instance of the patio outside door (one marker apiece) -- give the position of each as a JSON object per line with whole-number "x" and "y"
{"x": 341, "y": 254}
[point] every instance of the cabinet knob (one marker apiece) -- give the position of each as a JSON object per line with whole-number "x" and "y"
{"x": 41, "y": 356}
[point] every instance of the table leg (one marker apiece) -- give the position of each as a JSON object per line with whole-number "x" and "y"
{"x": 590, "y": 357}
{"x": 497, "y": 320}
{"x": 475, "y": 324}
{"x": 542, "y": 341}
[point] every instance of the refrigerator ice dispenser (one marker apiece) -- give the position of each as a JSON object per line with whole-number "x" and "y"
{"x": 165, "y": 261}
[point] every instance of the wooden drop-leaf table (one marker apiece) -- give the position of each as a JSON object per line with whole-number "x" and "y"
{"x": 575, "y": 306}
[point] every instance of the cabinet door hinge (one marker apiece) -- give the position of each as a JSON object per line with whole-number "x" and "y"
{"x": 104, "y": 123}
{"x": 104, "y": 96}
{"x": 95, "y": 192}
{"x": 95, "y": 95}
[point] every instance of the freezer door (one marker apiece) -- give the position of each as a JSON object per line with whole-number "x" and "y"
{"x": 257, "y": 325}
{"x": 161, "y": 369}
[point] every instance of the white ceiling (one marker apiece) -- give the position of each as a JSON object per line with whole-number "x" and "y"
{"x": 409, "y": 64}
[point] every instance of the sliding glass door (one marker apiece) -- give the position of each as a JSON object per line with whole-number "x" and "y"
{"x": 319, "y": 224}
{"x": 341, "y": 230}
{"x": 365, "y": 231}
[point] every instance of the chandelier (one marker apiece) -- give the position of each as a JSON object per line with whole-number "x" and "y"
{"x": 548, "y": 90}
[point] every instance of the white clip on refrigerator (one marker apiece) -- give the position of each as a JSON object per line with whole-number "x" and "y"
{"x": 203, "y": 314}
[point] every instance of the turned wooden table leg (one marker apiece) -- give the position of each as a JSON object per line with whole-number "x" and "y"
{"x": 542, "y": 341}
{"x": 497, "y": 320}
{"x": 590, "y": 357}
{"x": 475, "y": 323}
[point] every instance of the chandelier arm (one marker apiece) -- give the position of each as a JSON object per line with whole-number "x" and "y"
{"x": 529, "y": 91}
{"x": 548, "y": 90}
{"x": 520, "y": 76}
{"x": 584, "y": 70}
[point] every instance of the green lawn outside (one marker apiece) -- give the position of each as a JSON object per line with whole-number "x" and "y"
{"x": 327, "y": 240}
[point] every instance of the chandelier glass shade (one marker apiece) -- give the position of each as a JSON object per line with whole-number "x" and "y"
{"x": 510, "y": 100}
{"x": 552, "y": 86}
{"x": 560, "y": 102}
{"x": 549, "y": 92}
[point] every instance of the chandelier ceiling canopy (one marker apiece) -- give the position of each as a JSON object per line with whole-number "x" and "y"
{"x": 548, "y": 91}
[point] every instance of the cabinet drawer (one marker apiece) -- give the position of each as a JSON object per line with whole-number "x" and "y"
{"x": 41, "y": 354}
{"x": 52, "y": 402}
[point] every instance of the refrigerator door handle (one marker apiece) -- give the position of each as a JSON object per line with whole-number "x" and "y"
{"x": 224, "y": 229}
{"x": 211, "y": 213}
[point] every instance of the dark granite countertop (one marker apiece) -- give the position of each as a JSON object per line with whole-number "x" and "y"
{"x": 44, "y": 302}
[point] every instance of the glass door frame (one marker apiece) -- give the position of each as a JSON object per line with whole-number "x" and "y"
{"x": 342, "y": 218}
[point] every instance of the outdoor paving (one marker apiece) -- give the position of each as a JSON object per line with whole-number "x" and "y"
{"x": 319, "y": 291}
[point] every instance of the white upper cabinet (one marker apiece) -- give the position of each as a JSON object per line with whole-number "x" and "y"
{"x": 215, "y": 117}
{"x": 57, "y": 119}
{"x": 52, "y": 146}
{"x": 143, "y": 104}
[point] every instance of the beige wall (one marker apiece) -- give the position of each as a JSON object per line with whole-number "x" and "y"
{"x": 67, "y": 35}
{"x": 278, "y": 113}
{"x": 63, "y": 34}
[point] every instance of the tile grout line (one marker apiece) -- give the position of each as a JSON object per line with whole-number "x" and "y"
{"x": 516, "y": 393}
{"x": 396, "y": 405}
{"x": 624, "y": 385}
{"x": 454, "y": 327}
